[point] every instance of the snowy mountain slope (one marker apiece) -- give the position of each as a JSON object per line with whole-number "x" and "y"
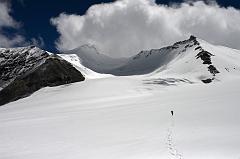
{"x": 25, "y": 70}
{"x": 88, "y": 73}
{"x": 193, "y": 59}
{"x": 90, "y": 58}
{"x": 147, "y": 61}
{"x": 204, "y": 62}
{"x": 129, "y": 119}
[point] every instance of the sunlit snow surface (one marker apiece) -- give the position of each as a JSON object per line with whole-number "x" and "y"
{"x": 124, "y": 118}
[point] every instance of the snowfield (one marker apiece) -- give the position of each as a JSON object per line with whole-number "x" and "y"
{"x": 124, "y": 118}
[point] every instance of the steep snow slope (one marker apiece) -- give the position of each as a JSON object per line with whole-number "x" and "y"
{"x": 203, "y": 62}
{"x": 226, "y": 60}
{"x": 124, "y": 118}
{"x": 75, "y": 61}
{"x": 192, "y": 59}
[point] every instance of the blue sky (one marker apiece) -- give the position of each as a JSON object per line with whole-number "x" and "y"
{"x": 34, "y": 16}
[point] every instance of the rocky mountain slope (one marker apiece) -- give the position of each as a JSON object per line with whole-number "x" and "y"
{"x": 27, "y": 69}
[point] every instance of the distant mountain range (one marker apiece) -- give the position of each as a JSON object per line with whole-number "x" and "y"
{"x": 25, "y": 70}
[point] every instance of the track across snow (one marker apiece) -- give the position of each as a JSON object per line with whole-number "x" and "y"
{"x": 170, "y": 142}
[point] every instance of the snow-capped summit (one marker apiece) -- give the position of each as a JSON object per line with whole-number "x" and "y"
{"x": 149, "y": 61}
{"x": 193, "y": 59}
{"x": 197, "y": 59}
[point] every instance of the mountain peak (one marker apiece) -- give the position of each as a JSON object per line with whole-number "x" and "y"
{"x": 87, "y": 48}
{"x": 192, "y": 37}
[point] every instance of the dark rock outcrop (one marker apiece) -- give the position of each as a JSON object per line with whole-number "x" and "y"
{"x": 207, "y": 80}
{"x": 205, "y": 56}
{"x": 213, "y": 70}
{"x": 17, "y": 61}
{"x": 53, "y": 72}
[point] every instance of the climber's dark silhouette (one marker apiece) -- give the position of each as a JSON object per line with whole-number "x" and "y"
{"x": 172, "y": 113}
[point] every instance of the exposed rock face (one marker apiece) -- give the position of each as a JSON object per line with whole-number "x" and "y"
{"x": 15, "y": 62}
{"x": 206, "y": 56}
{"x": 34, "y": 73}
{"x": 212, "y": 69}
{"x": 207, "y": 80}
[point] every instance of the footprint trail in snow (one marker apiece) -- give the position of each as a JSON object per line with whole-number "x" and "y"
{"x": 175, "y": 154}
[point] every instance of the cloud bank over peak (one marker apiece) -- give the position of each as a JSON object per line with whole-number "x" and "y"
{"x": 124, "y": 27}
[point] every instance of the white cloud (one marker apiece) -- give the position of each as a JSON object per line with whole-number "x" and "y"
{"x": 124, "y": 27}
{"x": 6, "y": 21}
{"x": 5, "y": 18}
{"x": 39, "y": 42}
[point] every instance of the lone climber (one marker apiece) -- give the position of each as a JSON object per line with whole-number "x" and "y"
{"x": 172, "y": 112}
